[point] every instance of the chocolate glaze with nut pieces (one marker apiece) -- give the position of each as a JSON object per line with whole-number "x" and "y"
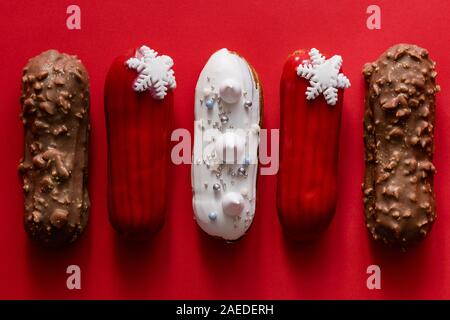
{"x": 55, "y": 115}
{"x": 399, "y": 123}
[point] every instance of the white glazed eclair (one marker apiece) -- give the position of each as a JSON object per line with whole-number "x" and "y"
{"x": 228, "y": 104}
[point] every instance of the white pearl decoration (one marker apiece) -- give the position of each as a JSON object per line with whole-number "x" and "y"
{"x": 230, "y": 91}
{"x": 232, "y": 204}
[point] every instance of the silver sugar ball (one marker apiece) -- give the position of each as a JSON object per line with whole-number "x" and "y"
{"x": 216, "y": 187}
{"x": 212, "y": 216}
{"x": 224, "y": 119}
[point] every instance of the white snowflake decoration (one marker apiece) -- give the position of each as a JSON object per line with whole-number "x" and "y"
{"x": 155, "y": 72}
{"x": 324, "y": 77}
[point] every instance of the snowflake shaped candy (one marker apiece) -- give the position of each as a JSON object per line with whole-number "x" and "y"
{"x": 324, "y": 77}
{"x": 155, "y": 72}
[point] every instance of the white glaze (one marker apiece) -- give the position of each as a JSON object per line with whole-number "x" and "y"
{"x": 226, "y": 132}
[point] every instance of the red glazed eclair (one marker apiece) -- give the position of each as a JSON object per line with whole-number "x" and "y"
{"x": 138, "y": 112}
{"x": 310, "y": 120}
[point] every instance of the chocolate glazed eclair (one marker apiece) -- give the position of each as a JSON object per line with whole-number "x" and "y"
{"x": 399, "y": 145}
{"x": 55, "y": 115}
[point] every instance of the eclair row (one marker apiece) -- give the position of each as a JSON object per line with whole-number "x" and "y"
{"x": 399, "y": 119}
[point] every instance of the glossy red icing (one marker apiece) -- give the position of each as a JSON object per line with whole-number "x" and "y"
{"x": 309, "y": 146}
{"x": 138, "y": 132}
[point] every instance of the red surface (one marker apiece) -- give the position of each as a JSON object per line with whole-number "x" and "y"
{"x": 138, "y": 129}
{"x": 181, "y": 262}
{"x": 309, "y": 153}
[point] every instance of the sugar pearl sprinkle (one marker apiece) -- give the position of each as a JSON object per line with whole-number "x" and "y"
{"x": 210, "y": 103}
{"x": 224, "y": 119}
{"x": 212, "y": 216}
{"x": 242, "y": 171}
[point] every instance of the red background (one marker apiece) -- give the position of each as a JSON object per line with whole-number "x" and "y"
{"x": 181, "y": 262}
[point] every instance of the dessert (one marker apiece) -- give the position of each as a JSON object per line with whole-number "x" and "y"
{"x": 228, "y": 104}
{"x": 311, "y": 97}
{"x": 399, "y": 122}
{"x": 55, "y": 114}
{"x": 138, "y": 111}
